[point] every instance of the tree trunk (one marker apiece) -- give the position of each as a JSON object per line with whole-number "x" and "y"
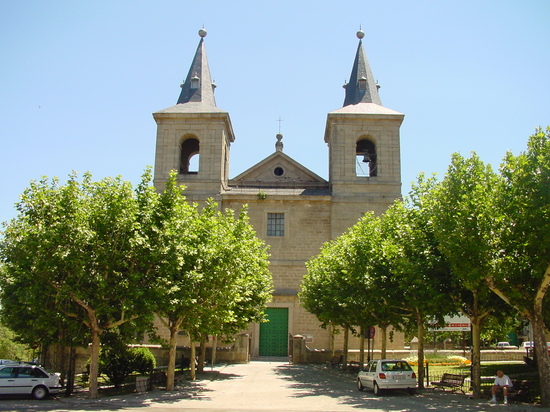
{"x": 94, "y": 362}
{"x": 420, "y": 350}
{"x": 193, "y": 364}
{"x": 383, "y": 340}
{"x": 346, "y": 346}
{"x": 171, "y": 370}
{"x": 332, "y": 331}
{"x": 536, "y": 317}
{"x": 362, "y": 346}
{"x": 202, "y": 354}
{"x": 60, "y": 359}
{"x": 476, "y": 355}
{"x": 214, "y": 349}
{"x": 543, "y": 359}
{"x": 71, "y": 371}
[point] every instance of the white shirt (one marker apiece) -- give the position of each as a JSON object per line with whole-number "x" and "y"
{"x": 504, "y": 381}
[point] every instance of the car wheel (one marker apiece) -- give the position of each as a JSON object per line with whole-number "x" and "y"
{"x": 40, "y": 392}
{"x": 376, "y": 389}
{"x": 360, "y": 385}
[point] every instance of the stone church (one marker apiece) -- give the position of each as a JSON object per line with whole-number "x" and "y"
{"x": 291, "y": 208}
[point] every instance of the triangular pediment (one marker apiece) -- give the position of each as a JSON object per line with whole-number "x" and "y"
{"x": 278, "y": 170}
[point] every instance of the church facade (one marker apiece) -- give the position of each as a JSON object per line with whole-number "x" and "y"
{"x": 291, "y": 208}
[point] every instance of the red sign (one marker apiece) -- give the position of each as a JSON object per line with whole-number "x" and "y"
{"x": 372, "y": 332}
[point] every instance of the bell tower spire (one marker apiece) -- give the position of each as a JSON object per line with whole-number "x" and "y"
{"x": 361, "y": 87}
{"x": 194, "y": 136}
{"x": 198, "y": 86}
{"x": 364, "y": 148}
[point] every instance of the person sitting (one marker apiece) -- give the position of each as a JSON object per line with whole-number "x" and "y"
{"x": 502, "y": 382}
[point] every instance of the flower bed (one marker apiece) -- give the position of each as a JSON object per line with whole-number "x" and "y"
{"x": 452, "y": 360}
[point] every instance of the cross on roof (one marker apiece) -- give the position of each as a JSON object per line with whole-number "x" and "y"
{"x": 279, "y": 120}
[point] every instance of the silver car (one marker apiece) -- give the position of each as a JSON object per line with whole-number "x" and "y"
{"x": 385, "y": 374}
{"x": 24, "y": 379}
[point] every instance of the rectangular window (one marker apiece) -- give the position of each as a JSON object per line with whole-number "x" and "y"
{"x": 25, "y": 373}
{"x": 275, "y": 224}
{"x": 7, "y": 373}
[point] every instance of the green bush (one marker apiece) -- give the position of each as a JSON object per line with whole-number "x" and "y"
{"x": 117, "y": 361}
{"x": 144, "y": 361}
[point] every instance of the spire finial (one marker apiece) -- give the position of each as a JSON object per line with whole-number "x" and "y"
{"x": 202, "y": 32}
{"x": 360, "y": 34}
{"x": 279, "y": 144}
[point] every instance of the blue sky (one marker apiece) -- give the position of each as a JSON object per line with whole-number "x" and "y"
{"x": 80, "y": 79}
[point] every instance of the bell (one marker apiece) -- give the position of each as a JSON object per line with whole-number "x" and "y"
{"x": 366, "y": 157}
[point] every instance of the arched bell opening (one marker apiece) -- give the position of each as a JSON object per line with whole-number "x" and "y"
{"x": 189, "y": 157}
{"x": 365, "y": 158}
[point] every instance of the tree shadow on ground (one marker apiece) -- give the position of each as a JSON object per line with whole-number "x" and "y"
{"x": 303, "y": 381}
{"x": 342, "y": 386}
{"x": 184, "y": 389}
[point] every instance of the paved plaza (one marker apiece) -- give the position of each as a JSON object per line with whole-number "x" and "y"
{"x": 272, "y": 385}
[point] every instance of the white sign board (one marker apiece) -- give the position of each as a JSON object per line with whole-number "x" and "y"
{"x": 453, "y": 324}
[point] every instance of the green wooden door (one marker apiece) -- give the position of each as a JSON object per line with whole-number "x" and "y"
{"x": 274, "y": 334}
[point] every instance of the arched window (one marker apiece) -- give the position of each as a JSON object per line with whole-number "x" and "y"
{"x": 189, "y": 157}
{"x": 365, "y": 158}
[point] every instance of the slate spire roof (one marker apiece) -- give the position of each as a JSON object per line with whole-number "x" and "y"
{"x": 198, "y": 86}
{"x": 361, "y": 87}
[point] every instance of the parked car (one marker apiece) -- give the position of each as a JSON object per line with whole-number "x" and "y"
{"x": 527, "y": 345}
{"x": 385, "y": 374}
{"x": 505, "y": 345}
{"x": 530, "y": 346}
{"x": 6, "y": 361}
{"x": 28, "y": 379}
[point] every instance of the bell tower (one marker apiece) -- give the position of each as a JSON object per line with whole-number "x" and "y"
{"x": 194, "y": 136}
{"x": 364, "y": 149}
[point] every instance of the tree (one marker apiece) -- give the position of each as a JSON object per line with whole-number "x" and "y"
{"x": 522, "y": 268}
{"x": 246, "y": 256}
{"x": 211, "y": 273}
{"x": 420, "y": 274}
{"x": 240, "y": 285}
{"x": 347, "y": 283}
{"x": 372, "y": 277}
{"x": 38, "y": 322}
{"x": 327, "y": 288}
{"x": 10, "y": 348}
{"x": 465, "y": 221}
{"x": 74, "y": 249}
{"x": 320, "y": 288}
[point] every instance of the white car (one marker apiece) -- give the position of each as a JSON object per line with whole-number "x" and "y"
{"x": 385, "y": 374}
{"x": 505, "y": 345}
{"x": 24, "y": 379}
{"x": 530, "y": 347}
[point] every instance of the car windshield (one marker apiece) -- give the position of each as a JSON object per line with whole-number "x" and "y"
{"x": 395, "y": 366}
